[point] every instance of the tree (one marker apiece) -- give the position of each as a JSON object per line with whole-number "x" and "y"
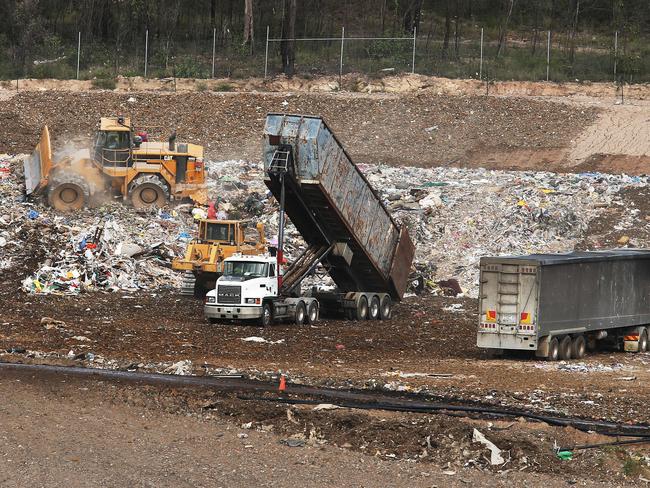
{"x": 503, "y": 28}
{"x": 287, "y": 47}
{"x": 248, "y": 24}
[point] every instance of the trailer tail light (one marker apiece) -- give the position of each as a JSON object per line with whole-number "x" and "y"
{"x": 631, "y": 337}
{"x": 491, "y": 316}
{"x": 526, "y": 318}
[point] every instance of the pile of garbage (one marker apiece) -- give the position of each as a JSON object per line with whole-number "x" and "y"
{"x": 454, "y": 216}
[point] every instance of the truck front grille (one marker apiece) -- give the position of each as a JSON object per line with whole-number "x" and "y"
{"x": 228, "y": 294}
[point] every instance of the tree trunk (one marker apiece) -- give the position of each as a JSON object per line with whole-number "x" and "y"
{"x": 457, "y": 30}
{"x": 503, "y": 29}
{"x": 412, "y": 15}
{"x": 287, "y": 48}
{"x": 445, "y": 42}
{"x": 248, "y": 24}
{"x": 574, "y": 28}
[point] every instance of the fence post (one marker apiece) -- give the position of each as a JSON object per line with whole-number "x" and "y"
{"x": 415, "y": 36}
{"x": 79, "y": 53}
{"x": 266, "y": 53}
{"x": 615, "y": 51}
{"x": 341, "y": 60}
{"x": 480, "y": 66}
{"x": 146, "y": 50}
{"x": 548, "y": 54}
{"x": 214, "y": 46}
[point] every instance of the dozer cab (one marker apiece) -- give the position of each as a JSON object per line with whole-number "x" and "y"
{"x": 216, "y": 241}
{"x": 149, "y": 174}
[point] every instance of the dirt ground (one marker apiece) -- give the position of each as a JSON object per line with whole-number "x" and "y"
{"x": 163, "y": 437}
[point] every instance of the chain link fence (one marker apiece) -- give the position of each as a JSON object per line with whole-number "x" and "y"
{"x": 472, "y": 52}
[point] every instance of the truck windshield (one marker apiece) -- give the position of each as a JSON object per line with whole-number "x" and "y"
{"x": 217, "y": 232}
{"x": 245, "y": 269}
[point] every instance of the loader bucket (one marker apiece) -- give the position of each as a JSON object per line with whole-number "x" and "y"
{"x": 37, "y": 166}
{"x": 200, "y": 196}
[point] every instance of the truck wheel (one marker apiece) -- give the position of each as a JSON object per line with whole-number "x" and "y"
{"x": 267, "y": 316}
{"x": 553, "y": 350}
{"x": 374, "y": 308}
{"x": 565, "y": 348}
{"x": 579, "y": 347}
{"x": 362, "y": 309}
{"x": 312, "y": 313}
{"x": 643, "y": 341}
{"x": 68, "y": 192}
{"x": 385, "y": 309}
{"x": 148, "y": 191}
{"x": 301, "y": 313}
{"x": 213, "y": 321}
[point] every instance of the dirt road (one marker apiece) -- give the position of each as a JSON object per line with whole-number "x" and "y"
{"x": 59, "y": 431}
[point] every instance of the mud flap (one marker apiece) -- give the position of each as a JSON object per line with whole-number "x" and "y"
{"x": 542, "y": 347}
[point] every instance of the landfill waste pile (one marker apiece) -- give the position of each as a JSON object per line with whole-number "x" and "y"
{"x": 454, "y": 216}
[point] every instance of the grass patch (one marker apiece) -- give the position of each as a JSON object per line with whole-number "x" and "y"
{"x": 201, "y": 86}
{"x": 223, "y": 87}
{"x": 104, "y": 83}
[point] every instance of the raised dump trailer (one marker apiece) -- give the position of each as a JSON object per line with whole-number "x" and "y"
{"x": 347, "y": 228}
{"x": 560, "y": 305}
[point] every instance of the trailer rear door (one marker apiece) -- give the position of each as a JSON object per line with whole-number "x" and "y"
{"x": 508, "y": 305}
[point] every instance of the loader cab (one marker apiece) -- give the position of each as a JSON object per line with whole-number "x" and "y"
{"x": 113, "y": 143}
{"x": 225, "y": 232}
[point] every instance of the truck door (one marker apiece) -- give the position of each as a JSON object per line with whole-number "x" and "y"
{"x": 272, "y": 287}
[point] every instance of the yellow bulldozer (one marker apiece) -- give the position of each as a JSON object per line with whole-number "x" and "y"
{"x": 216, "y": 241}
{"x": 124, "y": 162}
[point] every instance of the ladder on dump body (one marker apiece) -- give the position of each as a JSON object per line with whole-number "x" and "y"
{"x": 305, "y": 263}
{"x": 508, "y": 295}
{"x": 280, "y": 161}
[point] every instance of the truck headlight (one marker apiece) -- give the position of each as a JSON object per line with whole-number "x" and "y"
{"x": 210, "y": 300}
{"x": 254, "y": 301}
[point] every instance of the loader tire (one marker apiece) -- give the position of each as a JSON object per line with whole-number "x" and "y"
{"x": 68, "y": 192}
{"x": 148, "y": 191}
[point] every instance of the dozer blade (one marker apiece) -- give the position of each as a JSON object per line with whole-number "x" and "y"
{"x": 37, "y": 166}
{"x": 200, "y": 196}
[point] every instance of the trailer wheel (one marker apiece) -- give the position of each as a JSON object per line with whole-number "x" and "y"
{"x": 385, "y": 309}
{"x": 267, "y": 316}
{"x": 301, "y": 313}
{"x": 579, "y": 347}
{"x": 643, "y": 340}
{"x": 374, "y": 308}
{"x": 362, "y": 309}
{"x": 553, "y": 350}
{"x": 565, "y": 348}
{"x": 312, "y": 313}
{"x": 213, "y": 321}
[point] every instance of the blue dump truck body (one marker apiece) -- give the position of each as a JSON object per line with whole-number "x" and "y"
{"x": 334, "y": 207}
{"x": 527, "y": 301}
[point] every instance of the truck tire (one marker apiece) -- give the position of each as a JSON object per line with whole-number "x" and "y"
{"x": 385, "y": 309}
{"x": 565, "y": 348}
{"x": 373, "y": 311}
{"x": 578, "y": 347}
{"x": 312, "y": 313}
{"x": 300, "y": 313}
{"x": 267, "y": 315}
{"x": 148, "y": 191}
{"x": 68, "y": 192}
{"x": 643, "y": 340}
{"x": 362, "y": 309}
{"x": 553, "y": 350}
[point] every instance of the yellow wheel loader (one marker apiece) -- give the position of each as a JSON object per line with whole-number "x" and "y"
{"x": 149, "y": 174}
{"x": 216, "y": 241}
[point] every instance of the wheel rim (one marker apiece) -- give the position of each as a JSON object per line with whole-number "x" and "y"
{"x": 301, "y": 314}
{"x": 267, "y": 316}
{"x": 148, "y": 195}
{"x": 374, "y": 308}
{"x": 312, "y": 313}
{"x": 68, "y": 195}
{"x": 363, "y": 312}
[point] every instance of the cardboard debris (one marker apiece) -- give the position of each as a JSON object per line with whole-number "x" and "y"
{"x": 495, "y": 452}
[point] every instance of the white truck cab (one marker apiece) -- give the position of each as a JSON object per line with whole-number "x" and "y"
{"x": 246, "y": 282}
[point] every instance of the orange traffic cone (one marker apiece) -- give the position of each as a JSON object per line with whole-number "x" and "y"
{"x": 283, "y": 383}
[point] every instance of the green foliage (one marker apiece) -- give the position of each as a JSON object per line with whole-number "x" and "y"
{"x": 189, "y": 67}
{"x": 201, "y": 86}
{"x": 104, "y": 83}
{"x": 223, "y": 87}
